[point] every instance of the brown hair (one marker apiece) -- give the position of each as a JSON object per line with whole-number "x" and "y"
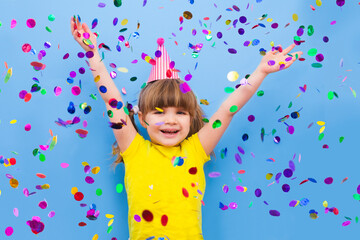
{"x": 166, "y": 93}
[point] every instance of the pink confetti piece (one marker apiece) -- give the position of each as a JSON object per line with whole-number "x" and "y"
{"x": 51, "y": 214}
{"x": 64, "y": 165}
{"x": 9, "y": 231}
{"x": 16, "y": 212}
{"x": 333, "y": 22}
{"x": 13, "y": 23}
{"x": 214, "y": 174}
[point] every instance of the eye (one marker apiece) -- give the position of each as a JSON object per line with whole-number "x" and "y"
{"x": 158, "y": 112}
{"x": 182, "y": 113}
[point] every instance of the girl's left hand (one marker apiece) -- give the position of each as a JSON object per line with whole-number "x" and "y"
{"x": 278, "y": 59}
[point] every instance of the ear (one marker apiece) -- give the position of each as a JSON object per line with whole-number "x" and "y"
{"x": 141, "y": 119}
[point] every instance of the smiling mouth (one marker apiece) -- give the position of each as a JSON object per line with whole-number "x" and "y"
{"x": 169, "y": 132}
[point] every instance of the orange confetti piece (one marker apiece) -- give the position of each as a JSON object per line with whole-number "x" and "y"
{"x": 344, "y": 180}
{"x": 6, "y": 65}
{"x": 241, "y": 171}
{"x": 51, "y": 133}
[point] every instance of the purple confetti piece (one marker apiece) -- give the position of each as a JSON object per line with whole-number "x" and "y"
{"x": 101, "y": 5}
{"x": 144, "y": 3}
{"x": 241, "y": 150}
{"x": 293, "y": 203}
{"x": 232, "y": 51}
{"x": 214, "y": 174}
{"x": 238, "y": 158}
{"x": 258, "y": 192}
{"x": 274, "y": 213}
{"x": 89, "y": 180}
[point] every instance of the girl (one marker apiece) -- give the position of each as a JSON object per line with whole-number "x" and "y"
{"x": 164, "y": 177}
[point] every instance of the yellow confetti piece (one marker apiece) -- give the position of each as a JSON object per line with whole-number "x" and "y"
{"x": 45, "y": 186}
{"x": 97, "y": 78}
{"x": 74, "y": 190}
{"x": 13, "y": 121}
{"x": 109, "y": 215}
{"x": 269, "y": 20}
{"x": 110, "y": 222}
{"x": 85, "y": 164}
{"x": 159, "y": 109}
{"x": 0, "y": 192}
{"x": 322, "y": 129}
{"x": 95, "y": 237}
{"x": 325, "y": 204}
{"x": 298, "y": 95}
{"x": 95, "y": 170}
{"x": 8, "y": 75}
{"x": 123, "y": 69}
{"x": 318, "y": 3}
{"x": 232, "y": 76}
{"x": 320, "y": 123}
{"x": 124, "y": 22}
{"x": 272, "y": 43}
{"x": 269, "y": 176}
{"x": 227, "y": 22}
{"x": 295, "y": 17}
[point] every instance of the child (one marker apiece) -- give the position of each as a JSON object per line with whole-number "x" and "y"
{"x": 164, "y": 177}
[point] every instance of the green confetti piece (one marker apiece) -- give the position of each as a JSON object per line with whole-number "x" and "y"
{"x": 0, "y": 23}
{"x": 117, "y": 3}
{"x": 213, "y": 45}
{"x": 48, "y": 29}
{"x": 51, "y": 17}
{"x": 123, "y": 30}
{"x": 205, "y": 25}
{"x": 297, "y": 38}
{"x": 110, "y": 113}
{"x": 229, "y": 89}
{"x": 240, "y": 180}
{"x": 310, "y": 31}
{"x": 260, "y": 93}
{"x": 316, "y": 65}
{"x": 208, "y": 37}
{"x": 52, "y": 145}
{"x": 43, "y": 91}
{"x": 35, "y": 151}
{"x": 119, "y": 188}
{"x": 296, "y": 56}
{"x": 277, "y": 108}
{"x": 126, "y": 110}
{"x": 330, "y": 95}
{"x": 98, "y": 192}
{"x": 335, "y": 94}
{"x": 15, "y": 153}
{"x": 273, "y": 131}
{"x": 109, "y": 229}
{"x": 250, "y": 205}
{"x": 216, "y": 124}
{"x": 205, "y": 120}
{"x": 133, "y": 79}
{"x": 312, "y": 52}
{"x": 356, "y": 219}
{"x": 348, "y": 218}
{"x": 321, "y": 136}
{"x": 356, "y": 196}
{"x": 341, "y": 139}
{"x": 93, "y": 96}
{"x": 195, "y": 54}
{"x": 290, "y": 105}
{"x": 143, "y": 85}
{"x": 233, "y": 108}
{"x": 42, "y": 157}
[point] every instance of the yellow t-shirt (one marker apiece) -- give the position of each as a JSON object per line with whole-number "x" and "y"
{"x": 165, "y": 200}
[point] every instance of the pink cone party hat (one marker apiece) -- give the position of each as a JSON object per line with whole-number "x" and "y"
{"x": 163, "y": 68}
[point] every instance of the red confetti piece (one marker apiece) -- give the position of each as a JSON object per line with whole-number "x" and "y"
{"x": 79, "y": 196}
{"x": 185, "y": 192}
{"x": 164, "y": 220}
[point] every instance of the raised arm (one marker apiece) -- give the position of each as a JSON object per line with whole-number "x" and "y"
{"x": 87, "y": 40}
{"x": 210, "y": 136}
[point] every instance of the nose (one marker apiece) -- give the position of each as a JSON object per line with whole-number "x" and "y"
{"x": 170, "y": 118}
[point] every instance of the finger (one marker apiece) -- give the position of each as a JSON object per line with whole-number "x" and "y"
{"x": 86, "y": 28}
{"x": 276, "y": 49}
{"x": 296, "y": 55}
{"x": 289, "y": 48}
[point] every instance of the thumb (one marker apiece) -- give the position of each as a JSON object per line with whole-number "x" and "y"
{"x": 86, "y": 28}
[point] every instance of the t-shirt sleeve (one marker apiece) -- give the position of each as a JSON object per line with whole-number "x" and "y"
{"x": 134, "y": 145}
{"x": 194, "y": 141}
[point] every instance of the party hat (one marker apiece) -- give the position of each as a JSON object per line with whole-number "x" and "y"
{"x": 163, "y": 67}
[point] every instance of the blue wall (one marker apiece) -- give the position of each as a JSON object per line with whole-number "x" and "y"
{"x": 251, "y": 218}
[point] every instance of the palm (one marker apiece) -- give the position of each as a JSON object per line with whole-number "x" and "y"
{"x": 83, "y": 35}
{"x": 277, "y": 60}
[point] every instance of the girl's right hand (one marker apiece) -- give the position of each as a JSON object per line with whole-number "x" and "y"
{"x": 83, "y": 35}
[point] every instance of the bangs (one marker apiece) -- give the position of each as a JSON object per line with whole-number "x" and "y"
{"x": 166, "y": 93}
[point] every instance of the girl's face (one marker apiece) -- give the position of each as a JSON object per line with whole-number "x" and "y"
{"x": 167, "y": 128}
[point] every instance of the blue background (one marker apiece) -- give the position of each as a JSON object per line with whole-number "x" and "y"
{"x": 161, "y": 19}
